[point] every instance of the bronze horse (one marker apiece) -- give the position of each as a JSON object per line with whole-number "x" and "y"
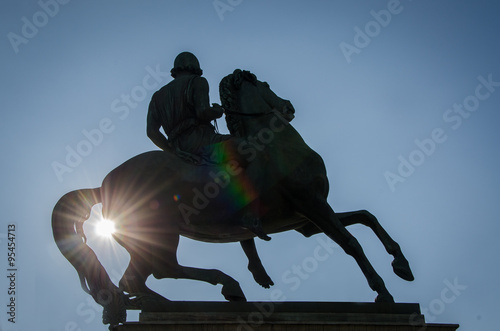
{"x": 155, "y": 197}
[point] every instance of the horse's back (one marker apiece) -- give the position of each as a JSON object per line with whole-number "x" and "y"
{"x": 152, "y": 164}
{"x": 135, "y": 185}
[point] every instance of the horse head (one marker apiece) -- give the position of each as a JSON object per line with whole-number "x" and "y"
{"x": 243, "y": 95}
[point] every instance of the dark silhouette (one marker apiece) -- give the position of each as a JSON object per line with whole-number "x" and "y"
{"x": 182, "y": 109}
{"x": 155, "y": 197}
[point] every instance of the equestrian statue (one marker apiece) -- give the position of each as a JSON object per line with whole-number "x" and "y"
{"x": 259, "y": 180}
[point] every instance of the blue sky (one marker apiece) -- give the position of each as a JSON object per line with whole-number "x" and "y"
{"x": 369, "y": 111}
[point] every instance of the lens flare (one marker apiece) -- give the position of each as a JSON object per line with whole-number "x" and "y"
{"x": 105, "y": 228}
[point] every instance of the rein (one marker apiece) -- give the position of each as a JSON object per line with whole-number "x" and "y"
{"x": 235, "y": 126}
{"x": 232, "y": 112}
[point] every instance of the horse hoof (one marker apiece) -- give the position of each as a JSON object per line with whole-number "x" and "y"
{"x": 384, "y": 297}
{"x": 115, "y": 311}
{"x": 232, "y": 292}
{"x": 401, "y": 268}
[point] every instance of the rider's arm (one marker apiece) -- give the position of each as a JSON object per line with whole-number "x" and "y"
{"x": 202, "y": 103}
{"x": 153, "y": 128}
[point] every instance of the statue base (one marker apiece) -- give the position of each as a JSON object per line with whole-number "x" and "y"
{"x": 278, "y": 316}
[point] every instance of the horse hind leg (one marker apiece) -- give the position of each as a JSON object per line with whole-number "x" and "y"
{"x": 167, "y": 266}
{"x": 231, "y": 289}
{"x": 133, "y": 282}
{"x": 322, "y": 215}
{"x": 400, "y": 264}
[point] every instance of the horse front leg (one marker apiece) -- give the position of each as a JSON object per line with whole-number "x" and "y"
{"x": 400, "y": 264}
{"x": 255, "y": 265}
{"x": 322, "y": 215}
{"x": 166, "y": 266}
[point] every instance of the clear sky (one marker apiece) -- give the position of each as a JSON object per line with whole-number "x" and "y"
{"x": 400, "y": 98}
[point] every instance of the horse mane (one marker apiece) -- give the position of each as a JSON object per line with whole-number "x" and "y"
{"x": 228, "y": 90}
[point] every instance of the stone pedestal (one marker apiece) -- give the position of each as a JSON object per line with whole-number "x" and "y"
{"x": 290, "y": 316}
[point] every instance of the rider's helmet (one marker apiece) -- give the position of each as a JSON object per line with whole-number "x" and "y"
{"x": 186, "y": 61}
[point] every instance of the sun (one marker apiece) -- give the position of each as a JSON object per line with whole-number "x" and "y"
{"x": 105, "y": 228}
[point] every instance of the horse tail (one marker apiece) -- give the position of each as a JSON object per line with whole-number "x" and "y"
{"x": 69, "y": 214}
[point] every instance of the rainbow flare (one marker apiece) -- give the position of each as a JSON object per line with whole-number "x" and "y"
{"x": 239, "y": 191}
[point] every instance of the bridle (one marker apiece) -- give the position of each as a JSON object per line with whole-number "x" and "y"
{"x": 272, "y": 111}
{"x": 232, "y": 112}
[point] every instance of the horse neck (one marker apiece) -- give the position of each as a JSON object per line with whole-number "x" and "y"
{"x": 254, "y": 125}
{"x": 258, "y": 117}
{"x": 271, "y": 127}
{"x": 250, "y": 120}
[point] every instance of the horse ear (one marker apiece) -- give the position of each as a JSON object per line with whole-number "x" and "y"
{"x": 252, "y": 78}
{"x": 237, "y": 78}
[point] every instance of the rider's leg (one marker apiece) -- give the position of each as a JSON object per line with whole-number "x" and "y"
{"x": 233, "y": 149}
{"x": 252, "y": 222}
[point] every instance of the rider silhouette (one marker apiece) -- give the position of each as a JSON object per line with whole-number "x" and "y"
{"x": 183, "y": 110}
